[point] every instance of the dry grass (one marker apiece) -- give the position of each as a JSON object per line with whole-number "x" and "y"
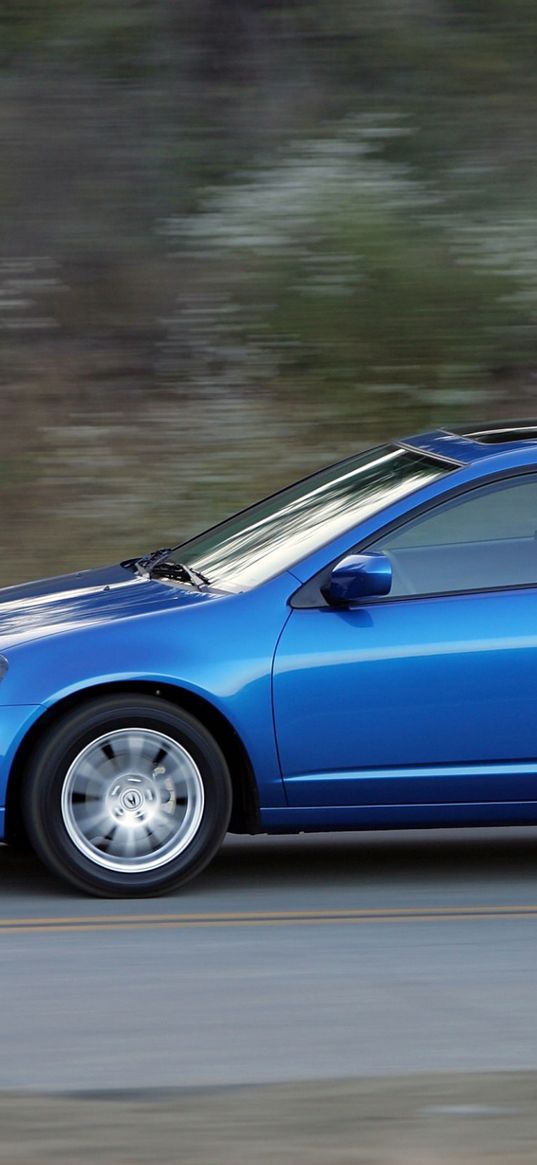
{"x": 434, "y": 1120}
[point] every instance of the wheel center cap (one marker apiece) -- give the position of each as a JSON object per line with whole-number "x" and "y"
{"x": 131, "y": 800}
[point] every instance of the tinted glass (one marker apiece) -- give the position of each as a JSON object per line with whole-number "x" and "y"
{"x": 484, "y": 539}
{"x": 272, "y": 535}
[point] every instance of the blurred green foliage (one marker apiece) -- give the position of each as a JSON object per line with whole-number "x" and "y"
{"x": 242, "y": 238}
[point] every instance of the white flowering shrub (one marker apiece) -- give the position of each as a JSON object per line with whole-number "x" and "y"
{"x": 336, "y": 271}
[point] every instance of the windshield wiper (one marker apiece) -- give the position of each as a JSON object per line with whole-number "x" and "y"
{"x": 145, "y": 564}
{"x": 179, "y": 571}
{"x": 156, "y": 565}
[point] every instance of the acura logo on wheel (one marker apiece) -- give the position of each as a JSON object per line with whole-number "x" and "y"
{"x": 132, "y": 799}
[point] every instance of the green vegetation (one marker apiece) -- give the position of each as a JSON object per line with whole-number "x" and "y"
{"x": 242, "y": 238}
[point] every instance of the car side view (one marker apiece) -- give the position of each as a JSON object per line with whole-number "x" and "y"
{"x": 358, "y": 651}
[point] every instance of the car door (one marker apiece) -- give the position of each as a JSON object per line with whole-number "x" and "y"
{"x": 427, "y": 696}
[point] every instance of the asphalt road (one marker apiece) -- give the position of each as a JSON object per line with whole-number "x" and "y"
{"x": 305, "y": 958}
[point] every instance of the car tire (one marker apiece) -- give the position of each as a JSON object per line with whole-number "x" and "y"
{"x": 127, "y": 796}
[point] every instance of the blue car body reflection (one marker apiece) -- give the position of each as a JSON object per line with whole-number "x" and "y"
{"x": 413, "y": 708}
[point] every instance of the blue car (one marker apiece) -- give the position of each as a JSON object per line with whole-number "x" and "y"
{"x": 358, "y": 651}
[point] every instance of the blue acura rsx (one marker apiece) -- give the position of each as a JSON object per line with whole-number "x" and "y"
{"x": 358, "y": 651}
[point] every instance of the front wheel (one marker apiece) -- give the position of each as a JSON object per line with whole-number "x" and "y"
{"x": 127, "y": 796}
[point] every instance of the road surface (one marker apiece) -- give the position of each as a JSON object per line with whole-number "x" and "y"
{"x": 290, "y": 959}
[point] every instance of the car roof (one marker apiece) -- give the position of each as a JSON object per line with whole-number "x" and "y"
{"x": 471, "y": 442}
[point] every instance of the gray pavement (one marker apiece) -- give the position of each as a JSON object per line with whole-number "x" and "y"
{"x": 351, "y": 955}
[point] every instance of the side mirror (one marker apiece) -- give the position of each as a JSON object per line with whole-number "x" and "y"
{"x": 359, "y": 576}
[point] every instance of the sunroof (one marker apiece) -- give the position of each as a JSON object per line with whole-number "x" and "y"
{"x": 503, "y": 435}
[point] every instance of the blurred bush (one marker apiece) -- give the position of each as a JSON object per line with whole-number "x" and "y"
{"x": 236, "y": 247}
{"x": 337, "y": 272}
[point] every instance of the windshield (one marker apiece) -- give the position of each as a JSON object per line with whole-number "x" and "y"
{"x": 270, "y": 537}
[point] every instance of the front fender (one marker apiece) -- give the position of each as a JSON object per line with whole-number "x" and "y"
{"x": 221, "y": 651}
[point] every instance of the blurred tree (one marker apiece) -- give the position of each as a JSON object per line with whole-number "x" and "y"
{"x": 253, "y": 233}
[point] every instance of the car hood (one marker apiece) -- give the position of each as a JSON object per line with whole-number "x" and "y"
{"x": 53, "y": 605}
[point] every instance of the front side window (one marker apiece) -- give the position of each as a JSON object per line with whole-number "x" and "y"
{"x": 484, "y": 539}
{"x": 276, "y": 533}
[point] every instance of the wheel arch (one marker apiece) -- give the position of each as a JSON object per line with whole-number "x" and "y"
{"x": 245, "y": 808}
